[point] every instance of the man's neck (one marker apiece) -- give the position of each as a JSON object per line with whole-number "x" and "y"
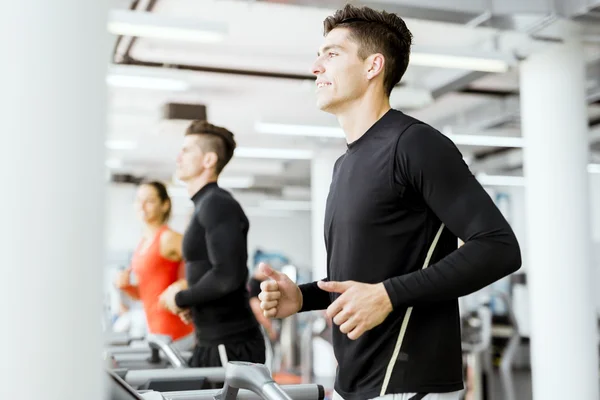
{"x": 197, "y": 183}
{"x": 360, "y": 115}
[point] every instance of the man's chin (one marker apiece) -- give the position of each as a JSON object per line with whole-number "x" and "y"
{"x": 324, "y": 106}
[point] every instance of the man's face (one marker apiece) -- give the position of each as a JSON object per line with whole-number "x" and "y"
{"x": 341, "y": 74}
{"x": 190, "y": 160}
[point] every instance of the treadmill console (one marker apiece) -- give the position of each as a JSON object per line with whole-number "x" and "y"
{"x": 118, "y": 389}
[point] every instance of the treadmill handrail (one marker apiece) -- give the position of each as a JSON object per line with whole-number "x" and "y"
{"x": 138, "y": 378}
{"x": 295, "y": 392}
{"x": 172, "y": 354}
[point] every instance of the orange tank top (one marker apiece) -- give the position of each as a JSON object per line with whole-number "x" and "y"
{"x": 154, "y": 274}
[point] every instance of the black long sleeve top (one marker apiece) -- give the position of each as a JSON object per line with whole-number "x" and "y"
{"x": 216, "y": 254}
{"x": 390, "y": 193}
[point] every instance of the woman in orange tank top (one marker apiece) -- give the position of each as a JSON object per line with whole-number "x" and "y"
{"x": 157, "y": 264}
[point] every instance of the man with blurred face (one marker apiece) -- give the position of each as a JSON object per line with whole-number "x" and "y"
{"x": 400, "y": 197}
{"x": 215, "y": 250}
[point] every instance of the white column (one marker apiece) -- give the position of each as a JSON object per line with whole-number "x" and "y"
{"x": 52, "y": 192}
{"x": 320, "y": 179}
{"x": 563, "y": 325}
{"x": 323, "y": 360}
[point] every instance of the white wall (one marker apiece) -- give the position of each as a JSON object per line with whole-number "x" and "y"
{"x": 122, "y": 230}
{"x": 595, "y": 231}
{"x": 595, "y": 208}
{"x": 274, "y": 232}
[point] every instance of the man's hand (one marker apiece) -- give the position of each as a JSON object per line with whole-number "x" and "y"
{"x": 361, "y": 306}
{"x": 167, "y": 298}
{"x": 279, "y": 296}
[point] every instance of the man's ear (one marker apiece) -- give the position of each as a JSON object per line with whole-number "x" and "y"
{"x": 375, "y": 64}
{"x": 210, "y": 159}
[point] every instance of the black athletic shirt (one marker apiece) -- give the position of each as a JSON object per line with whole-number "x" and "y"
{"x": 254, "y": 287}
{"x": 216, "y": 253}
{"x": 389, "y": 194}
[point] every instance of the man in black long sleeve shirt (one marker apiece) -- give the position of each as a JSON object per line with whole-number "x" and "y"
{"x": 400, "y": 197}
{"x": 215, "y": 251}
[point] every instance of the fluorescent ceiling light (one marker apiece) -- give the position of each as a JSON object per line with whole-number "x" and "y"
{"x": 455, "y": 62}
{"x": 146, "y": 82}
{"x": 481, "y": 140}
{"x": 500, "y": 180}
{"x": 460, "y": 59}
{"x": 284, "y": 154}
{"x": 290, "y": 205}
{"x": 121, "y": 144}
{"x": 152, "y": 25}
{"x": 332, "y": 132}
{"x": 593, "y": 168}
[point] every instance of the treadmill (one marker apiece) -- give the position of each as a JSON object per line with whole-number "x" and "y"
{"x": 145, "y": 369}
{"x": 157, "y": 353}
{"x": 245, "y": 381}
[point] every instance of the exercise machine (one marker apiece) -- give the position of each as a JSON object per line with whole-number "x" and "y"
{"x": 147, "y": 370}
{"x": 156, "y": 352}
{"x": 173, "y": 379}
{"x": 242, "y": 381}
{"x": 478, "y": 332}
{"x": 476, "y": 343}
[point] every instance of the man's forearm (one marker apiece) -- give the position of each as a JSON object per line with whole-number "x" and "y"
{"x": 468, "y": 269}
{"x": 213, "y": 285}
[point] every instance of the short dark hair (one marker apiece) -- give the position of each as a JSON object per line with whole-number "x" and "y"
{"x": 376, "y": 32}
{"x": 217, "y": 139}
{"x": 163, "y": 195}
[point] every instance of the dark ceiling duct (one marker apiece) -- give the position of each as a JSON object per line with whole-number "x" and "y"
{"x": 126, "y": 178}
{"x": 131, "y": 40}
{"x": 182, "y": 111}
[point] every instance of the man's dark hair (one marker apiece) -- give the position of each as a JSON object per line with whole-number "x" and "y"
{"x": 216, "y": 139}
{"x": 376, "y": 32}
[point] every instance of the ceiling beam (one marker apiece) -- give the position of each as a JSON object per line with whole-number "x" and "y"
{"x": 124, "y": 44}
{"x": 200, "y": 68}
{"x": 457, "y": 11}
{"x": 459, "y": 81}
{"x": 498, "y": 93}
{"x": 512, "y": 159}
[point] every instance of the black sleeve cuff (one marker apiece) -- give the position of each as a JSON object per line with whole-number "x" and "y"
{"x": 313, "y": 298}
{"x": 392, "y": 293}
{"x": 182, "y": 299}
